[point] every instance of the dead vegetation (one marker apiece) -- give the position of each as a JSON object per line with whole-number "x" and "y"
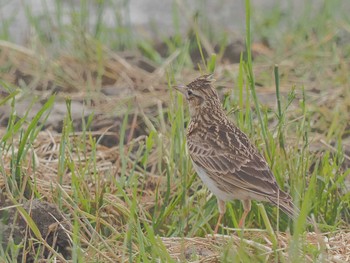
{"x": 108, "y": 89}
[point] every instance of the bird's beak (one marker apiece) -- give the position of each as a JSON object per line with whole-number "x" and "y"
{"x": 181, "y": 88}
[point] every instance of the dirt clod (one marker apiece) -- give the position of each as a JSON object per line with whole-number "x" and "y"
{"x": 51, "y": 223}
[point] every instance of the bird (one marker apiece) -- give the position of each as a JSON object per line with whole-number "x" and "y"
{"x": 224, "y": 158}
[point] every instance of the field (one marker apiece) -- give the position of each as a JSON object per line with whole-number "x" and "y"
{"x": 94, "y": 165}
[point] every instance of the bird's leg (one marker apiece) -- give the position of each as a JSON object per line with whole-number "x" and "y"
{"x": 246, "y": 206}
{"x": 222, "y": 210}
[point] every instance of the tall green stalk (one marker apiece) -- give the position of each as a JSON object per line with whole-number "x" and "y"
{"x": 249, "y": 67}
{"x": 279, "y": 109}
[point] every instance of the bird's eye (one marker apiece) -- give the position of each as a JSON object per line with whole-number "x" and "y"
{"x": 189, "y": 92}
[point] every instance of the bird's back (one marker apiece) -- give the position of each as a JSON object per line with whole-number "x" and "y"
{"x": 221, "y": 149}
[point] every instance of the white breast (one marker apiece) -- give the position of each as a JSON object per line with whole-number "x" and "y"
{"x": 212, "y": 185}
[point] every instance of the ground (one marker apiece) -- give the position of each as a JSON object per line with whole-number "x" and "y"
{"x": 94, "y": 164}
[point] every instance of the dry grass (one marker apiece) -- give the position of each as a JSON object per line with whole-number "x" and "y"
{"x": 335, "y": 246}
{"x": 84, "y": 175}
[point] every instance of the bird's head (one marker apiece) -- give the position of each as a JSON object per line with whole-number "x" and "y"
{"x": 200, "y": 94}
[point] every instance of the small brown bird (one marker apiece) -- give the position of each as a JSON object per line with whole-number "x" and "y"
{"x": 223, "y": 157}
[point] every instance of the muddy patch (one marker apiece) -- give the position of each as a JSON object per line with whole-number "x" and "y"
{"x": 54, "y": 228}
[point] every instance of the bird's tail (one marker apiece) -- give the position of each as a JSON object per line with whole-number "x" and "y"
{"x": 287, "y": 206}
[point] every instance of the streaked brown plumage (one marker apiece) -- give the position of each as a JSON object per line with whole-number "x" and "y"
{"x": 223, "y": 157}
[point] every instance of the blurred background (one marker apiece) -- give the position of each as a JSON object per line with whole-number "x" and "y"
{"x": 21, "y": 19}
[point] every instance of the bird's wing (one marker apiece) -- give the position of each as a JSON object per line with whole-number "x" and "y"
{"x": 226, "y": 152}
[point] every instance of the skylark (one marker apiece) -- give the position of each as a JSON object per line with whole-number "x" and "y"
{"x": 224, "y": 158}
